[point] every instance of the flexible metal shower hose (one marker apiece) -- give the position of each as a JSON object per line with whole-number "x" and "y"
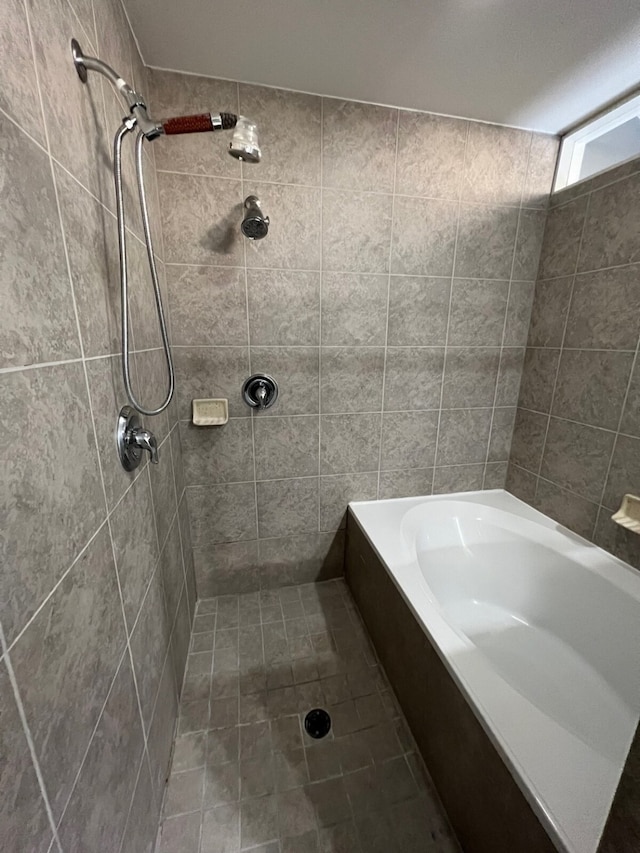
{"x": 122, "y": 131}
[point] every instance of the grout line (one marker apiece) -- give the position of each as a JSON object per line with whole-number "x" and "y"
{"x": 30, "y": 744}
{"x": 564, "y": 334}
{"x": 386, "y": 327}
{"x": 191, "y": 616}
{"x": 599, "y": 505}
{"x": 14, "y": 121}
{"x": 506, "y": 317}
{"x": 578, "y": 423}
{"x": 580, "y": 349}
{"x": 248, "y": 347}
{"x": 355, "y": 191}
{"x": 224, "y": 483}
{"x": 43, "y": 364}
{"x": 153, "y": 507}
{"x": 333, "y": 346}
{"x": 76, "y": 778}
{"x": 497, "y": 379}
{"x": 628, "y": 265}
{"x": 104, "y": 356}
{"x": 451, "y": 280}
{"x": 320, "y": 291}
{"x": 275, "y": 418}
{"x": 128, "y": 634}
{"x": 176, "y": 428}
{"x": 95, "y": 198}
{"x": 143, "y": 760}
{"x": 316, "y": 270}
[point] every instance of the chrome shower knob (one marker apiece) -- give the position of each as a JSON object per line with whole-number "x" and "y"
{"x": 260, "y": 391}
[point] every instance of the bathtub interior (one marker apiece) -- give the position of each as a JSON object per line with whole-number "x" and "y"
{"x": 539, "y": 628}
{"x": 493, "y": 573}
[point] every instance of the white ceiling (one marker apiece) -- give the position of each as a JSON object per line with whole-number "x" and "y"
{"x": 540, "y": 64}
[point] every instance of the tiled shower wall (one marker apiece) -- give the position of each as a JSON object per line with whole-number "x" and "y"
{"x": 576, "y": 445}
{"x": 94, "y": 608}
{"x": 390, "y": 300}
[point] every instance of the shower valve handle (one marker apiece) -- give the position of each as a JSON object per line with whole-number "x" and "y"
{"x": 199, "y": 123}
{"x": 145, "y": 440}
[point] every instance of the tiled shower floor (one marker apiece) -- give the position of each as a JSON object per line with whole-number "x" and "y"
{"x": 245, "y": 774}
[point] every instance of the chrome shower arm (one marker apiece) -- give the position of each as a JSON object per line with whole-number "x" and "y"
{"x": 134, "y": 100}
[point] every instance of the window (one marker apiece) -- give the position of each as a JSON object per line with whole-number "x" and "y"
{"x": 600, "y": 144}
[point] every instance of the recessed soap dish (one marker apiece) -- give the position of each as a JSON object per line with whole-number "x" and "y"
{"x": 210, "y": 412}
{"x": 629, "y": 513}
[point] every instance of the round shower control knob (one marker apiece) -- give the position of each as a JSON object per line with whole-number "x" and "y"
{"x": 260, "y": 391}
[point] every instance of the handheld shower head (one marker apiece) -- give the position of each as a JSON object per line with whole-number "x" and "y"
{"x": 244, "y": 141}
{"x": 255, "y": 225}
{"x": 199, "y": 123}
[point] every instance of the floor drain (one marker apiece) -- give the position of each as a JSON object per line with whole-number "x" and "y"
{"x": 317, "y": 723}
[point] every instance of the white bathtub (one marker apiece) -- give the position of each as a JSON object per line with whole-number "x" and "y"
{"x": 541, "y": 631}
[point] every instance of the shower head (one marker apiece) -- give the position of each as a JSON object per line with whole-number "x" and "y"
{"x": 244, "y": 142}
{"x": 255, "y": 225}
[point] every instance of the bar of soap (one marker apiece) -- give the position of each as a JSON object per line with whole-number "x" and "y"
{"x": 629, "y": 513}
{"x": 210, "y": 412}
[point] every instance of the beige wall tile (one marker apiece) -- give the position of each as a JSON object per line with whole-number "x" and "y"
{"x": 286, "y": 447}
{"x": 418, "y": 311}
{"x": 477, "y": 312}
{"x": 359, "y": 146}
{"x": 431, "y": 153}
{"x": 208, "y": 305}
{"x": 562, "y": 236}
{"x": 33, "y": 260}
{"x": 424, "y": 236}
{"x": 576, "y": 457}
{"x": 349, "y": 443}
{"x": 463, "y": 436}
{"x": 495, "y": 164}
{"x": 486, "y": 241}
{"x": 408, "y": 440}
{"x": 284, "y": 307}
{"x": 222, "y": 454}
{"x": 591, "y": 386}
{"x": 287, "y": 507}
{"x": 356, "y": 230}
{"x": 354, "y": 309}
